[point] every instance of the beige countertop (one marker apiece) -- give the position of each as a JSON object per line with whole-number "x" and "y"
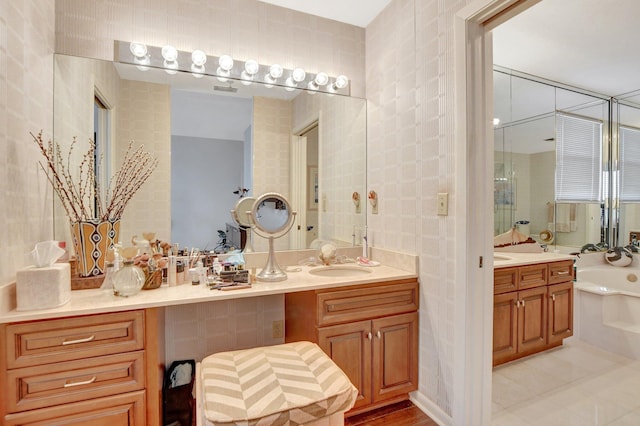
{"x": 84, "y": 302}
{"x": 509, "y": 259}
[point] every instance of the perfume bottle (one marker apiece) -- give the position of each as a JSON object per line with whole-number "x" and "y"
{"x": 129, "y": 279}
{"x": 110, "y": 271}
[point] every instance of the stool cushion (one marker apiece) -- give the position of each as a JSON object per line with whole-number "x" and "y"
{"x": 290, "y": 384}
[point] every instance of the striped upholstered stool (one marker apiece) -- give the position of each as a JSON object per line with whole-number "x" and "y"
{"x": 290, "y": 384}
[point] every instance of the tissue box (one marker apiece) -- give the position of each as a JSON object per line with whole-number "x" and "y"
{"x": 43, "y": 288}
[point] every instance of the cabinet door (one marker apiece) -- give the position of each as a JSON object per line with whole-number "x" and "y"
{"x": 395, "y": 356}
{"x": 349, "y": 346}
{"x": 532, "y": 319}
{"x": 560, "y": 312}
{"x": 505, "y": 326}
{"x": 118, "y": 410}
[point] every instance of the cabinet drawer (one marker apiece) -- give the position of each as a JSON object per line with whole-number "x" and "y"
{"x": 560, "y": 272}
{"x": 65, "y": 339}
{"x": 367, "y": 302}
{"x": 505, "y": 280}
{"x": 71, "y": 381}
{"x": 118, "y": 410}
{"x": 532, "y": 276}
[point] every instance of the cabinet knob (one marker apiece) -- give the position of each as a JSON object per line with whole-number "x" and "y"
{"x": 369, "y": 335}
{"x": 553, "y": 297}
{"x": 378, "y": 335}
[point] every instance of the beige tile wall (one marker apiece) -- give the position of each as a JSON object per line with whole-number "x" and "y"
{"x": 26, "y": 94}
{"x": 410, "y": 135}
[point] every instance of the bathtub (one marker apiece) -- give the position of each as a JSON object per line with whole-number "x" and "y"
{"x": 608, "y": 307}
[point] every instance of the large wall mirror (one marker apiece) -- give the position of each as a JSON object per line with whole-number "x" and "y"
{"x": 216, "y": 142}
{"x": 561, "y": 162}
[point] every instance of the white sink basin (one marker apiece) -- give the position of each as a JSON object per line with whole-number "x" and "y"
{"x": 501, "y": 257}
{"x": 340, "y": 271}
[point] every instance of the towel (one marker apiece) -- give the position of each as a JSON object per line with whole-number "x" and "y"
{"x": 562, "y": 217}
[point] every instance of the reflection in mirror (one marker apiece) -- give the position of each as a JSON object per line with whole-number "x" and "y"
{"x": 528, "y": 179}
{"x": 628, "y": 108}
{"x": 271, "y": 217}
{"x": 172, "y": 114}
{"x": 241, "y": 215}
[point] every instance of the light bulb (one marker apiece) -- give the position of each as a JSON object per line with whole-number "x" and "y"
{"x": 222, "y": 75}
{"x": 199, "y": 58}
{"x": 496, "y": 121}
{"x": 321, "y": 79}
{"x": 312, "y": 86}
{"x": 169, "y": 53}
{"x": 341, "y": 81}
{"x": 251, "y": 67}
{"x": 139, "y": 50}
{"x": 298, "y": 75}
{"x": 276, "y": 71}
{"x": 225, "y": 62}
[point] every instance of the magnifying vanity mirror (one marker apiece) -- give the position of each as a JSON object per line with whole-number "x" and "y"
{"x": 271, "y": 217}
{"x": 207, "y": 153}
{"x": 241, "y": 215}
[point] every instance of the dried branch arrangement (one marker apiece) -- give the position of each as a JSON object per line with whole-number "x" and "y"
{"x": 81, "y": 196}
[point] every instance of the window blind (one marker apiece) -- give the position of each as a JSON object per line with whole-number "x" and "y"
{"x": 578, "y": 159}
{"x": 629, "y": 140}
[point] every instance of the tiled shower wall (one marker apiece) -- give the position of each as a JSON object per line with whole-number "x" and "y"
{"x": 26, "y": 97}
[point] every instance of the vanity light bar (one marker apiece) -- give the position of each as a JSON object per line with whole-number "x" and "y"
{"x": 225, "y": 68}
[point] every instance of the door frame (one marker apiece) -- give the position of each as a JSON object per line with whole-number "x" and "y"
{"x": 473, "y": 48}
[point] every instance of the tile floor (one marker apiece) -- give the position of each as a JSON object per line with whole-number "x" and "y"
{"x": 576, "y": 384}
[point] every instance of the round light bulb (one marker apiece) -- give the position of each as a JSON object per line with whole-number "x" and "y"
{"x": 298, "y": 75}
{"x": 276, "y": 71}
{"x": 251, "y": 67}
{"x": 139, "y": 50}
{"x": 169, "y": 53}
{"x": 222, "y": 75}
{"x": 199, "y": 58}
{"x": 225, "y": 62}
{"x": 321, "y": 78}
{"x": 341, "y": 81}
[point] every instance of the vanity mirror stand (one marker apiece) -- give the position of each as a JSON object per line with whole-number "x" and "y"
{"x": 271, "y": 217}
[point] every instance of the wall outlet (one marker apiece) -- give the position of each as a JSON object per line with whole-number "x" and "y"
{"x": 277, "y": 329}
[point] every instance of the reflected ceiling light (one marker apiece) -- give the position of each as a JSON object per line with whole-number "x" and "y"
{"x": 171, "y": 67}
{"x": 251, "y": 68}
{"x": 197, "y": 70}
{"x": 312, "y": 85}
{"x": 290, "y": 85}
{"x": 496, "y": 121}
{"x": 321, "y": 79}
{"x": 275, "y": 72}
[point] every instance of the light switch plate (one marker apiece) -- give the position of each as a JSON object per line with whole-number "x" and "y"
{"x": 443, "y": 203}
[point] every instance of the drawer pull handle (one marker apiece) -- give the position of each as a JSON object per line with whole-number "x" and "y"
{"x": 378, "y": 334}
{"x": 86, "y": 382}
{"x": 369, "y": 335}
{"x": 73, "y": 342}
{"x": 563, "y": 272}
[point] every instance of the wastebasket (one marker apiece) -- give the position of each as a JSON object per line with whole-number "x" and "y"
{"x": 177, "y": 393}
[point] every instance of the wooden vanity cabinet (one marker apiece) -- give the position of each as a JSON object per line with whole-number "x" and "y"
{"x": 98, "y": 369}
{"x": 370, "y": 331}
{"x": 535, "y": 317}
